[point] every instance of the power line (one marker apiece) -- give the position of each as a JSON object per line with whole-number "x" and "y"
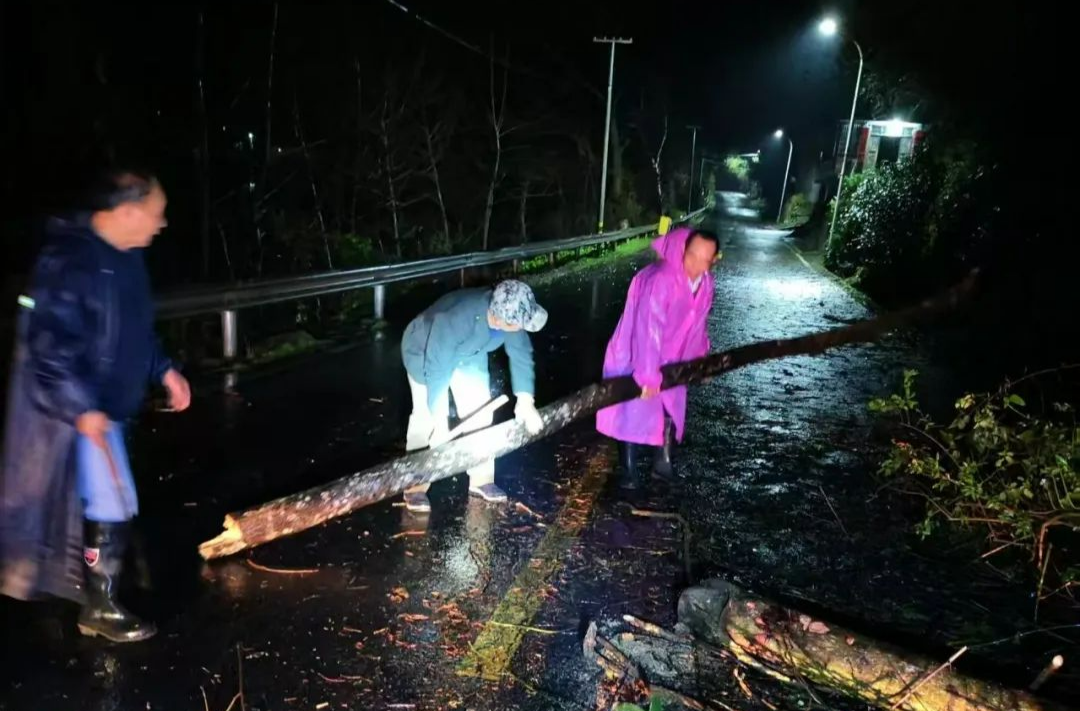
{"x": 476, "y": 48}
{"x": 446, "y": 33}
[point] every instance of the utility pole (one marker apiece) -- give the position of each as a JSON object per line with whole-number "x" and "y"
{"x": 607, "y": 123}
{"x": 693, "y": 149}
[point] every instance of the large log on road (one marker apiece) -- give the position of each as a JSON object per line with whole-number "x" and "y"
{"x": 298, "y": 512}
{"x": 790, "y": 645}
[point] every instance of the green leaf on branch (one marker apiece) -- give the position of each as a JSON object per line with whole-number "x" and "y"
{"x": 1010, "y": 475}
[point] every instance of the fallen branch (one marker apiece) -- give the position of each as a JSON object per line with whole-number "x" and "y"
{"x": 403, "y": 534}
{"x": 1056, "y": 663}
{"x": 524, "y": 628}
{"x": 281, "y": 571}
{"x": 298, "y": 512}
{"x": 837, "y": 517}
{"x": 685, "y": 531}
{"x": 928, "y": 677}
{"x": 655, "y": 630}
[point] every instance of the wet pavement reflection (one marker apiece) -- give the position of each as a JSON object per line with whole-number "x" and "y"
{"x": 380, "y": 609}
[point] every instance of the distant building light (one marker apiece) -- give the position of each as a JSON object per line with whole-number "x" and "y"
{"x": 895, "y": 127}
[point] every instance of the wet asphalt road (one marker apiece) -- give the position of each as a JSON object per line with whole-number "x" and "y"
{"x": 378, "y": 610}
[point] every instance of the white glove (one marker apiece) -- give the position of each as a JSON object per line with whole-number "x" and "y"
{"x": 525, "y": 412}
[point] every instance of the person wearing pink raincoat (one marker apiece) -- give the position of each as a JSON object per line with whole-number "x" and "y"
{"x": 664, "y": 321}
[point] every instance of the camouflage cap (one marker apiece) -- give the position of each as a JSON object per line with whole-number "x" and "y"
{"x": 514, "y": 303}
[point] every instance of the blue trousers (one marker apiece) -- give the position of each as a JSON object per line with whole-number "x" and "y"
{"x": 107, "y": 491}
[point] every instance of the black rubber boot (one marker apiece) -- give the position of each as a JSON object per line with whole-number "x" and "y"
{"x": 629, "y": 478}
{"x": 662, "y": 466}
{"x": 103, "y": 614}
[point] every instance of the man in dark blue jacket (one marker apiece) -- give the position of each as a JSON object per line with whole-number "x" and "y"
{"x": 445, "y": 350}
{"x": 85, "y": 352}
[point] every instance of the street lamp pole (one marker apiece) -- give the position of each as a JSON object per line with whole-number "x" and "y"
{"x": 847, "y": 142}
{"x": 787, "y": 171}
{"x": 693, "y": 150}
{"x": 607, "y": 122}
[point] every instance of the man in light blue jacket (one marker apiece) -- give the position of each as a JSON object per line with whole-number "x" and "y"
{"x": 445, "y": 351}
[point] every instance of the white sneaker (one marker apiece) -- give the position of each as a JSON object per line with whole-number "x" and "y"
{"x": 490, "y": 493}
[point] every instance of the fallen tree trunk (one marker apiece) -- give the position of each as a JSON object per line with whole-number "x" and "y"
{"x": 789, "y": 646}
{"x": 297, "y": 512}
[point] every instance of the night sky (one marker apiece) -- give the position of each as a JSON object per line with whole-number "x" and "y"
{"x": 80, "y": 76}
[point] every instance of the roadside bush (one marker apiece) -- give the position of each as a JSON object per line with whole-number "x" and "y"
{"x": 910, "y": 227}
{"x": 881, "y": 231}
{"x": 996, "y": 467}
{"x": 710, "y": 188}
{"x": 797, "y": 210}
{"x": 626, "y": 207}
{"x": 355, "y": 250}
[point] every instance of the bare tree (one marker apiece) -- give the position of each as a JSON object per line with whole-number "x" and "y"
{"x": 396, "y": 167}
{"x": 499, "y": 131}
{"x": 298, "y": 128}
{"x": 656, "y": 166}
{"x": 435, "y": 135}
{"x": 537, "y": 178}
{"x": 616, "y": 160}
{"x": 361, "y": 149}
{"x": 529, "y": 188}
{"x": 259, "y": 195}
{"x": 655, "y": 160}
{"x": 203, "y": 153}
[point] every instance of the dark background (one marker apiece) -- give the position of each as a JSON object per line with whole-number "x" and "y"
{"x": 87, "y": 83}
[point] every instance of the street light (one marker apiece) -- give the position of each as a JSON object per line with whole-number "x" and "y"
{"x": 778, "y": 134}
{"x": 830, "y": 27}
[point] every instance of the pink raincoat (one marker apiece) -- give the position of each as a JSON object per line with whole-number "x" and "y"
{"x": 663, "y": 322}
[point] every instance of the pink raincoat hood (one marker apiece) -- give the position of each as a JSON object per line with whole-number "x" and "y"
{"x": 664, "y": 322}
{"x": 672, "y": 246}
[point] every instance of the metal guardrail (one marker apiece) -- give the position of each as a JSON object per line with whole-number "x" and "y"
{"x": 233, "y": 297}
{"x": 227, "y": 300}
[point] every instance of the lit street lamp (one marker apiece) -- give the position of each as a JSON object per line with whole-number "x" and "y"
{"x": 829, "y": 28}
{"x": 778, "y": 134}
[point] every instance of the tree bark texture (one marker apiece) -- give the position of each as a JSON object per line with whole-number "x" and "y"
{"x": 792, "y": 646}
{"x": 291, "y": 514}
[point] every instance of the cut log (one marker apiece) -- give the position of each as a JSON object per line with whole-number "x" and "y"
{"x": 789, "y": 645}
{"x": 298, "y": 512}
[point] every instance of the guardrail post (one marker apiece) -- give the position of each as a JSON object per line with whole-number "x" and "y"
{"x": 380, "y": 302}
{"x": 463, "y": 277}
{"x": 228, "y": 346}
{"x": 228, "y": 334}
